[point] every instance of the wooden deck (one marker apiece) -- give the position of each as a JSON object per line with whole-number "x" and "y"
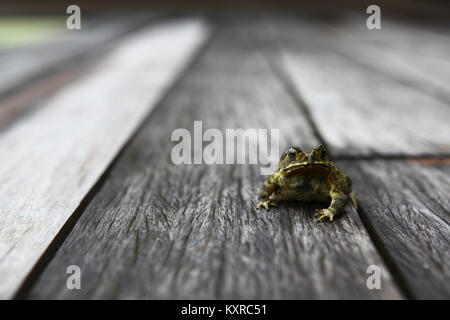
{"x": 86, "y": 175}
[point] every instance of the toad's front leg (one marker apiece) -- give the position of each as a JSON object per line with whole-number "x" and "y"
{"x": 338, "y": 202}
{"x": 268, "y": 188}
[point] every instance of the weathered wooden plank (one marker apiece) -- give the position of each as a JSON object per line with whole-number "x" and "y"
{"x": 33, "y": 95}
{"x": 25, "y": 64}
{"x": 33, "y": 73}
{"x": 409, "y": 52}
{"x": 51, "y": 159}
{"x": 406, "y": 204}
{"x": 158, "y": 230}
{"x": 358, "y": 112}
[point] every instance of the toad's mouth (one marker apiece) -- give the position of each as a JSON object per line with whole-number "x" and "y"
{"x": 307, "y": 169}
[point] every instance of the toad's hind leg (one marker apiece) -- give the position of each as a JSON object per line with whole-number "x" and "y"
{"x": 338, "y": 202}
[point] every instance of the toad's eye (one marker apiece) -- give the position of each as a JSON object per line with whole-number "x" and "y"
{"x": 292, "y": 153}
{"x": 322, "y": 152}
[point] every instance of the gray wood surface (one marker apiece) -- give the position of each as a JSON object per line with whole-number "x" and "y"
{"x": 413, "y": 53}
{"x": 31, "y": 74}
{"x": 32, "y": 96}
{"x": 406, "y": 205}
{"x": 157, "y": 230}
{"x": 358, "y": 111}
{"x": 52, "y": 159}
{"x": 405, "y": 51}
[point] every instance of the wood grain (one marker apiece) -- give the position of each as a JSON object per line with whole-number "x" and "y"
{"x": 33, "y": 95}
{"x": 357, "y": 111}
{"x": 51, "y": 159}
{"x": 413, "y": 53}
{"x": 406, "y": 206}
{"x": 158, "y": 230}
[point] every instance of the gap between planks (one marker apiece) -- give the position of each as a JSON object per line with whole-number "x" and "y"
{"x": 342, "y": 96}
{"x": 23, "y": 65}
{"x": 51, "y": 159}
{"x": 156, "y": 230}
{"x": 404, "y": 52}
{"x": 405, "y": 208}
{"x": 420, "y": 270}
{"x": 31, "y": 75}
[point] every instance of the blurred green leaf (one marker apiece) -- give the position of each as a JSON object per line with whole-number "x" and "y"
{"x": 23, "y": 31}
